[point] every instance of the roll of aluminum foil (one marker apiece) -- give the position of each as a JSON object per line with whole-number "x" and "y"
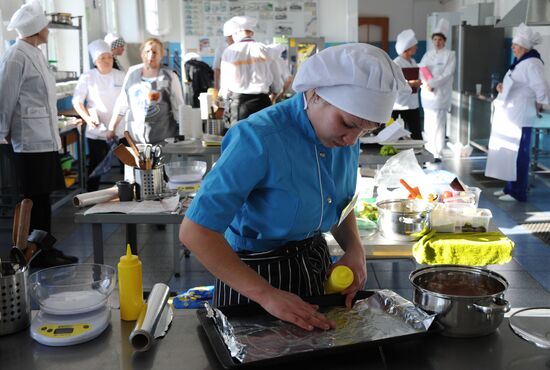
{"x": 154, "y": 320}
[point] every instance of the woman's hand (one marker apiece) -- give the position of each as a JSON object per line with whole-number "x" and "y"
{"x": 499, "y": 87}
{"x": 111, "y": 135}
{"x": 356, "y": 262}
{"x": 291, "y": 308}
{"x": 414, "y": 83}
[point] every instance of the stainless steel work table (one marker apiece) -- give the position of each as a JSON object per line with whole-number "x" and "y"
{"x": 131, "y": 220}
{"x": 370, "y": 155}
{"x": 186, "y": 347}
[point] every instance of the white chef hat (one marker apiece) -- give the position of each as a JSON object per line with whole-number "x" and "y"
{"x": 114, "y": 40}
{"x": 359, "y": 79}
{"x": 243, "y": 22}
{"x": 98, "y": 47}
{"x": 29, "y": 19}
{"x": 229, "y": 28}
{"x": 405, "y": 40}
{"x": 191, "y": 56}
{"x": 442, "y": 27}
{"x": 526, "y": 37}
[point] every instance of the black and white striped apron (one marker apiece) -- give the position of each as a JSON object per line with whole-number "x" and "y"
{"x": 299, "y": 267}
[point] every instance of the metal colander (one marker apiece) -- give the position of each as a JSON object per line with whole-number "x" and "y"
{"x": 15, "y": 303}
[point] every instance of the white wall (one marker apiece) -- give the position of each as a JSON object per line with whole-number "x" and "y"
{"x": 402, "y": 14}
{"x": 338, "y": 20}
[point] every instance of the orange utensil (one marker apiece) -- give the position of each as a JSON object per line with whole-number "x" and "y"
{"x": 414, "y": 193}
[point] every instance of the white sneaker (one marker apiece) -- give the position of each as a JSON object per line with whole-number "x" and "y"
{"x": 507, "y": 198}
{"x": 498, "y": 193}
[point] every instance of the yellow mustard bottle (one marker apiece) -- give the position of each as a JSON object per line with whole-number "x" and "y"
{"x": 339, "y": 279}
{"x": 130, "y": 286}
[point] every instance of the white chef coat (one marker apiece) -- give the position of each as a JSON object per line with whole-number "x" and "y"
{"x": 441, "y": 64}
{"x": 248, "y": 68}
{"x": 28, "y": 104}
{"x": 408, "y": 100}
{"x": 100, "y": 91}
{"x": 514, "y": 109}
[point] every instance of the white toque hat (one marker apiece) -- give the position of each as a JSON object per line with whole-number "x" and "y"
{"x": 526, "y": 37}
{"x": 29, "y": 19}
{"x": 114, "y": 40}
{"x": 405, "y": 40}
{"x": 442, "y": 27}
{"x": 359, "y": 79}
{"x": 229, "y": 28}
{"x": 98, "y": 47}
{"x": 191, "y": 56}
{"x": 242, "y": 23}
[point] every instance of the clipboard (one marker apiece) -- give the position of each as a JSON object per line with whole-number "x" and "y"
{"x": 411, "y": 73}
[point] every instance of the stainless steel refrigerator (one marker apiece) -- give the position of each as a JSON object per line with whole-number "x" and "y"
{"x": 480, "y": 53}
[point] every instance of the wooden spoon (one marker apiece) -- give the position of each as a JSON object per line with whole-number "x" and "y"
{"x": 125, "y": 155}
{"x": 132, "y": 143}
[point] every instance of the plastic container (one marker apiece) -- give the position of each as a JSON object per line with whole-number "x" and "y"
{"x": 473, "y": 219}
{"x": 340, "y": 278}
{"x": 130, "y": 286}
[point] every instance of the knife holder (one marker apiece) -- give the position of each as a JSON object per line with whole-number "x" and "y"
{"x": 15, "y": 300}
{"x": 149, "y": 183}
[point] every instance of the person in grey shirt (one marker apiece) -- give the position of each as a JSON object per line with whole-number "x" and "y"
{"x": 150, "y": 98}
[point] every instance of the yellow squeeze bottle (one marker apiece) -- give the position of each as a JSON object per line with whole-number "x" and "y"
{"x": 130, "y": 286}
{"x": 340, "y": 278}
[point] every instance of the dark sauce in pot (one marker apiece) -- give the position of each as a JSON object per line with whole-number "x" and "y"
{"x": 459, "y": 283}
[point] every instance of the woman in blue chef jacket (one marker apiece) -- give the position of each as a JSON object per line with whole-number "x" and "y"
{"x": 284, "y": 177}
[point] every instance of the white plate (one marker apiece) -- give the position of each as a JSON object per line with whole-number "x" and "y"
{"x": 406, "y": 144}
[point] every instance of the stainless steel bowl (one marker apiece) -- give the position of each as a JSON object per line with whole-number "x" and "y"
{"x": 469, "y": 301}
{"x": 404, "y": 219}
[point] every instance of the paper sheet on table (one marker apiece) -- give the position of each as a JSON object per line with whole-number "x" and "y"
{"x": 391, "y": 133}
{"x": 147, "y": 206}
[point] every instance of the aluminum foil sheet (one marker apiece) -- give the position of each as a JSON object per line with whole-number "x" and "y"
{"x": 383, "y": 315}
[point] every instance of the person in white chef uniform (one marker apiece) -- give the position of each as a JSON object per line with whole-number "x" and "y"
{"x": 522, "y": 92}
{"x": 94, "y": 99}
{"x": 407, "y": 105}
{"x": 28, "y": 119}
{"x": 437, "y": 84}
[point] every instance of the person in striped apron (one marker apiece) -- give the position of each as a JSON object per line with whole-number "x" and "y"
{"x": 285, "y": 177}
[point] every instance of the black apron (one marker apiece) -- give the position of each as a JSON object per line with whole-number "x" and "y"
{"x": 298, "y": 267}
{"x": 240, "y": 106}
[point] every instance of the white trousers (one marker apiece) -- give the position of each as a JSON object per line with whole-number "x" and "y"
{"x": 434, "y": 130}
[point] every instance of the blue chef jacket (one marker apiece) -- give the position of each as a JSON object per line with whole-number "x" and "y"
{"x": 275, "y": 182}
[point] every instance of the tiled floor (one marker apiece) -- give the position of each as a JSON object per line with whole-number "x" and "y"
{"x": 526, "y": 273}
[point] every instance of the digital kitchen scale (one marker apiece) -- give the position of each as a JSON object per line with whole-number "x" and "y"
{"x": 66, "y": 330}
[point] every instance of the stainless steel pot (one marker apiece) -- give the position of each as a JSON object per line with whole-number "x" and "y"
{"x": 404, "y": 219}
{"x": 468, "y": 301}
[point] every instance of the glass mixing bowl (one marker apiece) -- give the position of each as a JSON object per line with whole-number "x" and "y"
{"x": 185, "y": 172}
{"x": 72, "y": 289}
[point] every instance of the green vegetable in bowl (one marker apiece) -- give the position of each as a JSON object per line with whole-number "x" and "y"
{"x": 388, "y": 150}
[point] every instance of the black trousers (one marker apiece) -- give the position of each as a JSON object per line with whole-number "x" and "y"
{"x": 411, "y": 117}
{"x": 299, "y": 267}
{"x": 38, "y": 175}
{"x": 243, "y": 105}
{"x": 98, "y": 151}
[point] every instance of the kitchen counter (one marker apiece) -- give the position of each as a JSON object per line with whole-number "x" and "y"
{"x": 186, "y": 347}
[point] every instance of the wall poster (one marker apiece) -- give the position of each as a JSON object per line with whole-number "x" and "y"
{"x": 204, "y": 19}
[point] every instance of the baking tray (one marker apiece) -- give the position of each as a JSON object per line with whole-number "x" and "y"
{"x": 227, "y": 362}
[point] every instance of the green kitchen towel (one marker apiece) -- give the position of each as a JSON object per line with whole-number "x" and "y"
{"x": 473, "y": 249}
